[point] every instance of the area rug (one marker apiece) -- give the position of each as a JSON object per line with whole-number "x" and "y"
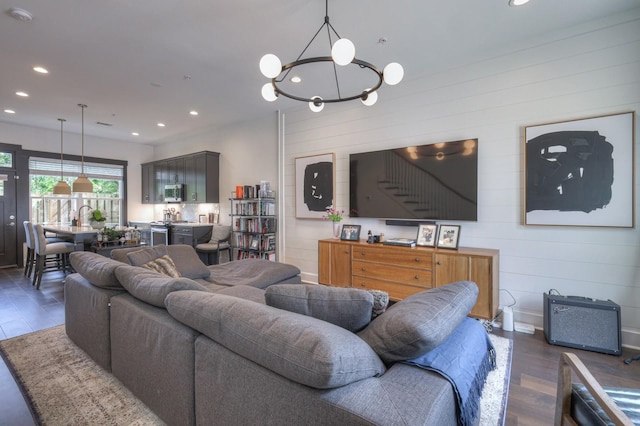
{"x": 63, "y": 386}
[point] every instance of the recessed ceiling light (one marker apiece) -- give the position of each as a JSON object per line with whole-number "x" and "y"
{"x": 135, "y": 134}
{"x": 9, "y": 111}
{"x": 161, "y": 124}
{"x": 20, "y": 14}
{"x": 193, "y": 112}
{"x": 517, "y": 2}
{"x": 296, "y": 79}
{"x": 41, "y": 70}
{"x": 23, "y": 94}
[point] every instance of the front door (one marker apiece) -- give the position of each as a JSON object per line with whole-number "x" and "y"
{"x": 8, "y": 222}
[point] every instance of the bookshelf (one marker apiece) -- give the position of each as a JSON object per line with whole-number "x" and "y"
{"x": 254, "y": 226}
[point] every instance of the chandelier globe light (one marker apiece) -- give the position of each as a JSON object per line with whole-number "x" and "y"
{"x": 342, "y": 54}
{"x": 82, "y": 183}
{"x": 61, "y": 187}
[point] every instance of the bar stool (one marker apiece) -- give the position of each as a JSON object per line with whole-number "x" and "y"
{"x": 49, "y": 256}
{"x": 28, "y": 235}
{"x": 219, "y": 241}
{"x": 31, "y": 259}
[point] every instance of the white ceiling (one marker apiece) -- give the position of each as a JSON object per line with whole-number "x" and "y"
{"x": 136, "y": 63}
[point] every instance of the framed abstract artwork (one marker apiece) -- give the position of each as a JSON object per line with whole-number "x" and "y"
{"x": 315, "y": 185}
{"x": 581, "y": 172}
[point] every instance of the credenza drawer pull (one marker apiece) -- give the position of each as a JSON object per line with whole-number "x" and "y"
{"x": 417, "y": 259}
{"x": 363, "y": 269}
{"x": 417, "y": 277}
{"x": 362, "y": 284}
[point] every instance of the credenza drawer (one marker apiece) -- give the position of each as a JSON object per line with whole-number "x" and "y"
{"x": 400, "y": 274}
{"x": 396, "y": 291}
{"x": 396, "y": 256}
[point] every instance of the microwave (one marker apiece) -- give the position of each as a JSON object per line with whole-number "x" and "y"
{"x": 173, "y": 193}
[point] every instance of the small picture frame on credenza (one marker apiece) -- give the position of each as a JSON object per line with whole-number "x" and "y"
{"x": 449, "y": 236}
{"x": 427, "y": 233}
{"x": 350, "y": 232}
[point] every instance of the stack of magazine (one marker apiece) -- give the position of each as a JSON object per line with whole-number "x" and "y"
{"x": 405, "y": 242}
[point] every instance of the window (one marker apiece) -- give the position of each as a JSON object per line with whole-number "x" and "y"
{"x": 6, "y": 160}
{"x": 108, "y": 187}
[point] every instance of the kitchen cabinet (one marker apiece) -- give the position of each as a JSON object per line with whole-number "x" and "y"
{"x": 190, "y": 235}
{"x": 148, "y": 184}
{"x": 199, "y": 172}
{"x": 201, "y": 177}
{"x": 175, "y": 171}
{"x": 403, "y": 271}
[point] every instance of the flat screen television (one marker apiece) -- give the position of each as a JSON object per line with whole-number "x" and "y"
{"x": 427, "y": 182}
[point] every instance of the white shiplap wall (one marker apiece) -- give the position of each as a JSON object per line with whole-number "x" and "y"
{"x": 585, "y": 71}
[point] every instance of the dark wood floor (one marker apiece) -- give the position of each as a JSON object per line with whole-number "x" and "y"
{"x": 533, "y": 371}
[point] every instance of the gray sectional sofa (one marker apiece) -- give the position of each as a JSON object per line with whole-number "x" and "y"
{"x": 238, "y": 344}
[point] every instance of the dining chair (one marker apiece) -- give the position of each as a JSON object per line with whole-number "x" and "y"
{"x": 28, "y": 235}
{"x": 49, "y": 256}
{"x": 210, "y": 252}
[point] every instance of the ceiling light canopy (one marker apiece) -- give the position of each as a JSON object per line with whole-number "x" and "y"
{"x": 342, "y": 55}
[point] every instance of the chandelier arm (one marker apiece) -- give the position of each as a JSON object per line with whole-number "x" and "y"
{"x": 302, "y": 53}
{"x": 358, "y": 62}
{"x": 335, "y": 73}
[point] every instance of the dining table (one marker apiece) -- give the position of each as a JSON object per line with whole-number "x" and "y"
{"x": 81, "y": 236}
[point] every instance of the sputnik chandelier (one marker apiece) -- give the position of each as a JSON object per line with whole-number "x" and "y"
{"x": 342, "y": 57}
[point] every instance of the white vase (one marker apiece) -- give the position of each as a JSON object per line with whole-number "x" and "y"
{"x": 336, "y": 230}
{"x": 96, "y": 225}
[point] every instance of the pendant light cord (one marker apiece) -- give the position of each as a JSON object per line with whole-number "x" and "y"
{"x": 83, "y": 106}
{"x": 62, "y": 120}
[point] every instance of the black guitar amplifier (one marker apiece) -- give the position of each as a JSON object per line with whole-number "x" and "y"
{"x": 583, "y": 323}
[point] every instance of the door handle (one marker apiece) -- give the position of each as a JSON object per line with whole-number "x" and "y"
{"x": 12, "y": 224}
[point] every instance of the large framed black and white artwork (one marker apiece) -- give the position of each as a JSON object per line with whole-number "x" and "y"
{"x": 581, "y": 172}
{"x": 315, "y": 185}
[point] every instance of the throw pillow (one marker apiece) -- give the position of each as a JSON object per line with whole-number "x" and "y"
{"x": 348, "y": 308}
{"x": 163, "y": 265}
{"x": 142, "y": 256}
{"x": 152, "y": 287}
{"x": 300, "y": 348}
{"x": 421, "y": 322}
{"x": 380, "y": 302}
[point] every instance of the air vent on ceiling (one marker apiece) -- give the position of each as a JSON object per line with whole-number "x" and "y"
{"x": 104, "y": 124}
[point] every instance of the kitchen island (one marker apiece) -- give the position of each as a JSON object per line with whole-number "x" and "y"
{"x": 81, "y": 236}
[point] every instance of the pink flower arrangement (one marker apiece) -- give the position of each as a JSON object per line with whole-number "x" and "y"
{"x": 333, "y": 215}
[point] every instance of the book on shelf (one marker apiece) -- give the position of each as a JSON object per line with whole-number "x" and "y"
{"x": 404, "y": 242}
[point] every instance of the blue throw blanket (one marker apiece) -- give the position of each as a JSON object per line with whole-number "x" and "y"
{"x": 465, "y": 359}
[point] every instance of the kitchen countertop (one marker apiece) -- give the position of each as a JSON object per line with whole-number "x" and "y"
{"x": 192, "y": 224}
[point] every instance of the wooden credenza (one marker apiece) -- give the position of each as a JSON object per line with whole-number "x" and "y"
{"x": 403, "y": 271}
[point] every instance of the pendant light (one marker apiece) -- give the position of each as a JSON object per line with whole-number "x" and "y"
{"x": 62, "y": 187}
{"x": 82, "y": 184}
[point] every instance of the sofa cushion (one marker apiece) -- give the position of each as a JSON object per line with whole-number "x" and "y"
{"x": 97, "y": 269}
{"x": 163, "y": 265}
{"x": 184, "y": 257}
{"x": 348, "y": 308}
{"x": 419, "y": 323}
{"x": 153, "y": 287}
{"x": 187, "y": 261}
{"x": 300, "y": 348}
{"x": 259, "y": 273}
